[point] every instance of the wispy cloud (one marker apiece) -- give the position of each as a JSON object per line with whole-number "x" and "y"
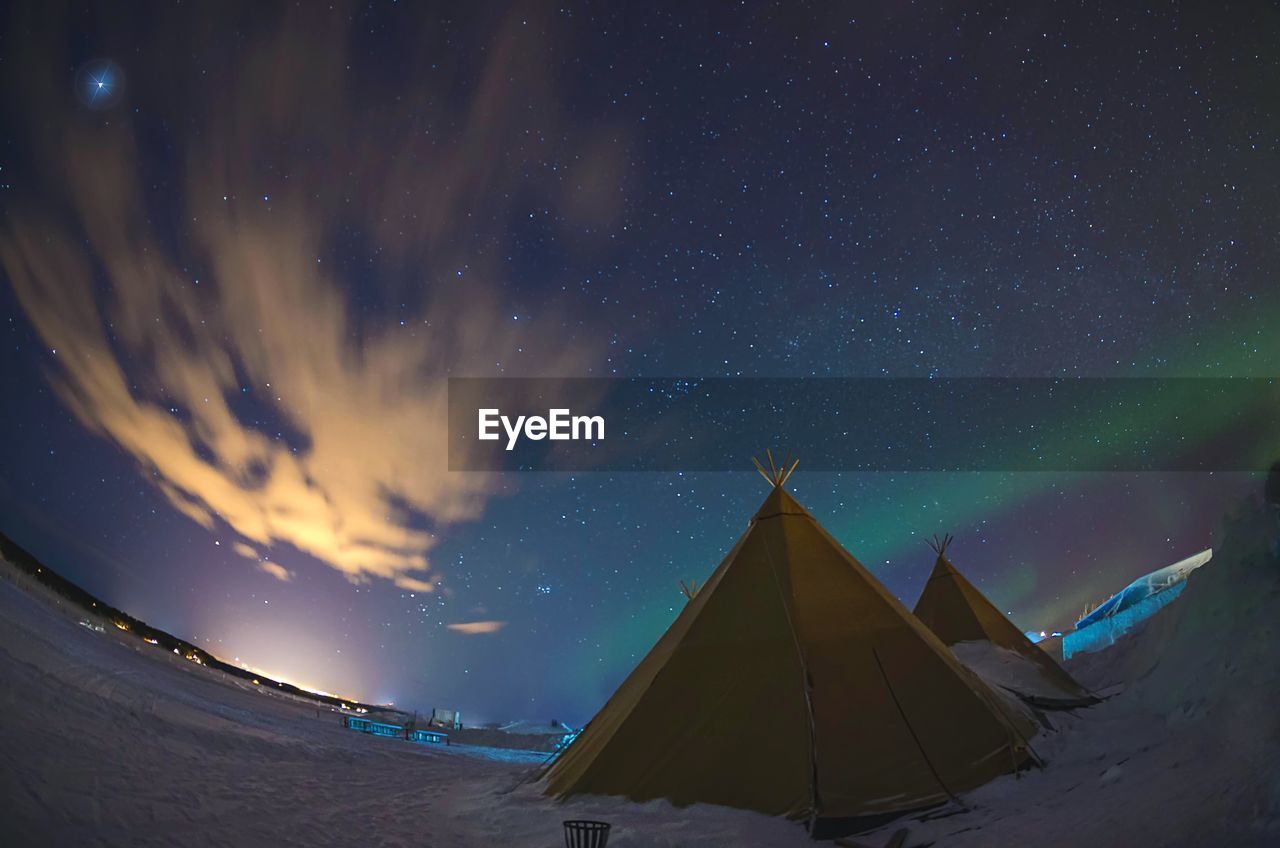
{"x": 276, "y": 570}
{"x": 472, "y": 628}
{"x": 224, "y": 349}
{"x": 414, "y": 585}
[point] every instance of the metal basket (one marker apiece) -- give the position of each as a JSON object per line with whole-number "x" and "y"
{"x": 581, "y": 833}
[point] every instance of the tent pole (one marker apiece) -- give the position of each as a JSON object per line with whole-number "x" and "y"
{"x": 815, "y": 796}
{"x": 912, "y": 731}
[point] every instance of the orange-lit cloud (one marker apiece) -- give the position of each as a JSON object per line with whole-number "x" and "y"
{"x": 414, "y": 585}
{"x": 276, "y": 570}
{"x": 472, "y": 628}
{"x": 226, "y": 352}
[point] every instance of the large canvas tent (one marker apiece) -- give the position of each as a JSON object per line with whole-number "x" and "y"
{"x": 795, "y": 684}
{"x": 988, "y": 642}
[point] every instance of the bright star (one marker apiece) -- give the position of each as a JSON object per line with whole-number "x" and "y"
{"x": 102, "y": 86}
{"x": 99, "y": 83}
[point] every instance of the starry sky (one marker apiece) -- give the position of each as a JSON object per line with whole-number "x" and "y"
{"x": 243, "y": 247}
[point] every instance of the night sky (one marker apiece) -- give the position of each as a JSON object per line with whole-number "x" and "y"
{"x": 238, "y": 272}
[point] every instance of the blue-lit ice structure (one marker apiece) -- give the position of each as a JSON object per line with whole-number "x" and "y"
{"x": 428, "y": 737}
{"x": 1131, "y": 606}
{"x": 377, "y": 728}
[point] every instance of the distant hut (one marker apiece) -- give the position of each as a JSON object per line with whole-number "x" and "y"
{"x": 451, "y": 719}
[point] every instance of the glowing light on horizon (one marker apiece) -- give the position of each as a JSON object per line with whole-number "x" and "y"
{"x": 280, "y": 678}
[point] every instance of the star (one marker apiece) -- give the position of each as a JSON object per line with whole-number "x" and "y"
{"x": 100, "y": 86}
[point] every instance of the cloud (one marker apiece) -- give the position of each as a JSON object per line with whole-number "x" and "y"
{"x": 471, "y": 628}
{"x": 279, "y": 572}
{"x": 266, "y": 566}
{"x": 268, "y": 336}
{"x": 414, "y": 585}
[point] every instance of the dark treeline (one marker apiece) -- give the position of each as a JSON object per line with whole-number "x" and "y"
{"x": 28, "y": 564}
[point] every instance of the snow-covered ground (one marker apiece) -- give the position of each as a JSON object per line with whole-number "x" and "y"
{"x": 107, "y": 741}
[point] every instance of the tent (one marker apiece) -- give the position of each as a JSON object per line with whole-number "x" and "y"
{"x": 793, "y": 683}
{"x": 985, "y": 640}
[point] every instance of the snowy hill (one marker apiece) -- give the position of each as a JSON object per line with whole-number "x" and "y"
{"x": 1186, "y": 752}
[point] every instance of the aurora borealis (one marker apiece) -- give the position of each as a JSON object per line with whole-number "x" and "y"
{"x": 232, "y": 298}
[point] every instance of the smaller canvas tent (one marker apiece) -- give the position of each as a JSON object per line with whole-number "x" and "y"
{"x": 985, "y": 640}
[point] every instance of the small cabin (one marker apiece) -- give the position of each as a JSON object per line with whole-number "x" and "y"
{"x": 429, "y": 737}
{"x": 449, "y": 719}
{"x": 376, "y": 728}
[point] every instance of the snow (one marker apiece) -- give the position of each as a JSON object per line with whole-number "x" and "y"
{"x": 540, "y": 728}
{"x": 109, "y": 741}
{"x": 1005, "y": 668}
